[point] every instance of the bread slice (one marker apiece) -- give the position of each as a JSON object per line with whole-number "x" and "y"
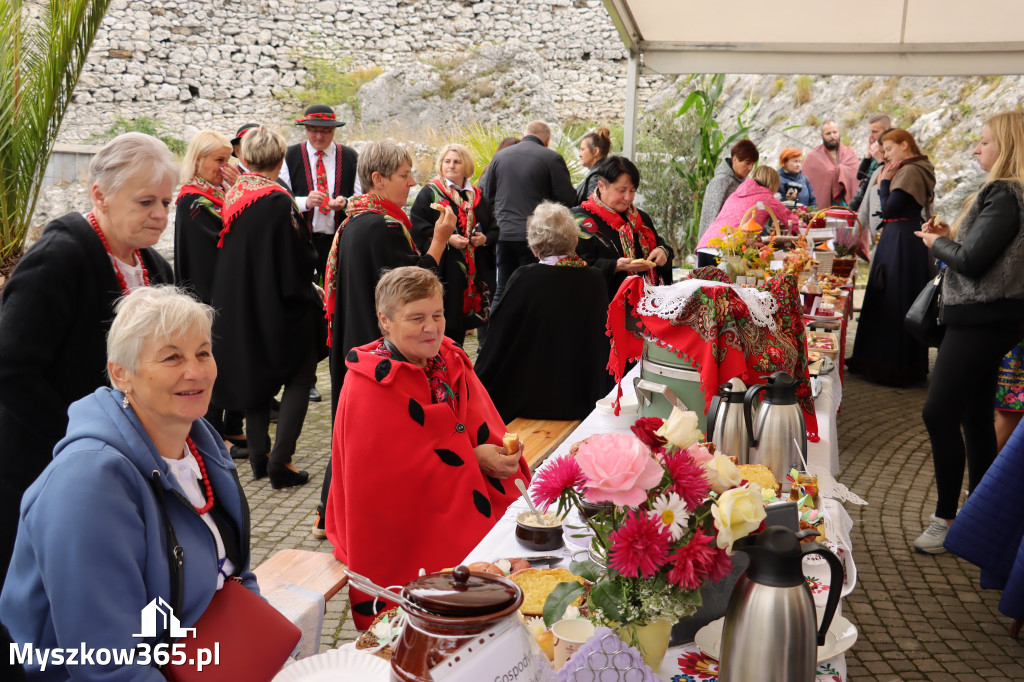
{"x": 761, "y": 475}
{"x": 537, "y": 584}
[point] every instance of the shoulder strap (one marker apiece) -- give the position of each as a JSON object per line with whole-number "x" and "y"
{"x": 175, "y": 554}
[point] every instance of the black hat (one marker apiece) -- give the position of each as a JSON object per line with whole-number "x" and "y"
{"x": 319, "y": 115}
{"x": 242, "y": 131}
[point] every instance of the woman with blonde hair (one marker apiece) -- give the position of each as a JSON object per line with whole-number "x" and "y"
{"x": 268, "y": 330}
{"x": 884, "y": 352}
{"x": 757, "y": 192}
{"x": 59, "y": 302}
{"x": 983, "y": 314}
{"x": 205, "y": 174}
{"x": 467, "y": 266}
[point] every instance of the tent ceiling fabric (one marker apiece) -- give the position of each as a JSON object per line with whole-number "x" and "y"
{"x": 867, "y": 37}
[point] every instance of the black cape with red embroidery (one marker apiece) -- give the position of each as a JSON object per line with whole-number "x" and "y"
{"x": 546, "y": 348}
{"x": 601, "y": 247}
{"x": 268, "y": 311}
{"x": 407, "y": 492}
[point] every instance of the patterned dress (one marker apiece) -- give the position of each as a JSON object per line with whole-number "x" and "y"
{"x": 1010, "y": 389}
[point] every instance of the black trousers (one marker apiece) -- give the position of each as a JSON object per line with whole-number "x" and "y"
{"x": 322, "y": 243}
{"x": 962, "y": 394}
{"x": 294, "y": 404}
{"x": 511, "y": 255}
{"x": 227, "y": 422}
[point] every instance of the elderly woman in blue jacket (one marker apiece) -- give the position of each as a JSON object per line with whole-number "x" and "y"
{"x": 92, "y": 550}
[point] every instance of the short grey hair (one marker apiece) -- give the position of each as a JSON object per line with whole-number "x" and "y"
{"x": 384, "y": 157}
{"x": 263, "y": 148}
{"x": 161, "y": 311}
{"x": 403, "y": 285}
{"x": 131, "y": 155}
{"x": 202, "y": 145}
{"x": 539, "y": 129}
{"x": 552, "y": 231}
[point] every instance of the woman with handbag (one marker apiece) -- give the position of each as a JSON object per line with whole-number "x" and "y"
{"x": 983, "y": 314}
{"x": 138, "y": 475}
{"x": 467, "y": 268}
{"x": 884, "y": 352}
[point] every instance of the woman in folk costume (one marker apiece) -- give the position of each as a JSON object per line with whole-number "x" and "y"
{"x": 59, "y": 302}
{"x": 422, "y": 475}
{"x": 205, "y": 174}
{"x": 883, "y": 351}
{"x": 267, "y": 332}
{"x": 614, "y": 233}
{"x": 467, "y": 268}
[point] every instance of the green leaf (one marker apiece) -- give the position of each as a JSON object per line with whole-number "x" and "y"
{"x": 559, "y": 600}
{"x": 588, "y": 570}
{"x": 608, "y": 596}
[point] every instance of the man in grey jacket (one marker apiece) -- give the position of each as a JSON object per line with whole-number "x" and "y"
{"x": 518, "y": 179}
{"x": 728, "y": 176}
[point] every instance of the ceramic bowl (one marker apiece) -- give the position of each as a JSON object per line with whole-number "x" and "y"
{"x": 536, "y": 537}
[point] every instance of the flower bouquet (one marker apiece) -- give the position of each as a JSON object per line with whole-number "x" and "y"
{"x": 744, "y": 244}
{"x": 674, "y": 510}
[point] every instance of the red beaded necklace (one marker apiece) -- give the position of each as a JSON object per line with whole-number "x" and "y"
{"x": 206, "y": 479}
{"x": 117, "y": 270}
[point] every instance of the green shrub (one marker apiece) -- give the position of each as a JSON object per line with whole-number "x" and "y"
{"x": 333, "y": 82}
{"x": 143, "y": 124}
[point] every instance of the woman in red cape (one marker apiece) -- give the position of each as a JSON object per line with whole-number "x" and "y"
{"x": 420, "y": 474}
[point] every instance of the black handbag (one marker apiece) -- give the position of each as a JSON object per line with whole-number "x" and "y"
{"x": 923, "y": 320}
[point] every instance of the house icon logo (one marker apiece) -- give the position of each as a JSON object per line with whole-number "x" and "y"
{"x": 158, "y": 616}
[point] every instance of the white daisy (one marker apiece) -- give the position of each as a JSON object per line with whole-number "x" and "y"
{"x": 671, "y": 510}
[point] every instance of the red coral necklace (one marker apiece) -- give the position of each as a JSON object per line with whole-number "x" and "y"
{"x": 117, "y": 270}
{"x": 206, "y": 479}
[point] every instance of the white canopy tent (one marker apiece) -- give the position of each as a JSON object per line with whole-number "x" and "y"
{"x": 866, "y": 37}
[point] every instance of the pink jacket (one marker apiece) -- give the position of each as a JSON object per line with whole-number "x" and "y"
{"x": 745, "y": 196}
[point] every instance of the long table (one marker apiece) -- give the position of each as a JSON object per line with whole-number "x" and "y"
{"x": 500, "y": 542}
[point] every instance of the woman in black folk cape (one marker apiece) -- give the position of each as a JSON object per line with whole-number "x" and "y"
{"x": 613, "y": 233}
{"x": 467, "y": 267}
{"x": 267, "y": 329}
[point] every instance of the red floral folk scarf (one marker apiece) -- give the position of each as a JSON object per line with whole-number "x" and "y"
{"x": 197, "y": 185}
{"x": 572, "y": 261}
{"x": 636, "y": 239}
{"x": 473, "y": 297}
{"x": 437, "y": 376}
{"x": 393, "y": 215}
{"x": 242, "y": 195}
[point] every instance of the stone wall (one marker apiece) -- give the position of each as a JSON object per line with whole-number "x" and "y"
{"x": 195, "y": 64}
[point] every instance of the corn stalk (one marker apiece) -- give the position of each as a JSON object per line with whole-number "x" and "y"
{"x": 43, "y": 47}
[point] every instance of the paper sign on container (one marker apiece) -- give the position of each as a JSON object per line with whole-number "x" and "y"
{"x": 505, "y": 653}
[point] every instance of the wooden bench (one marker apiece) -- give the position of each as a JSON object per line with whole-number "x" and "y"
{"x": 540, "y": 437}
{"x": 318, "y": 572}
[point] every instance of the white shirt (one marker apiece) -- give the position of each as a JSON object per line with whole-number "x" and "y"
{"x": 186, "y": 471}
{"x": 322, "y": 222}
{"x": 133, "y": 278}
{"x": 550, "y": 260}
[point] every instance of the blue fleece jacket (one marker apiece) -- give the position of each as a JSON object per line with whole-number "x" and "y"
{"x": 91, "y": 551}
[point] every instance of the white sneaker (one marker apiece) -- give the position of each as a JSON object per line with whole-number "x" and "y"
{"x": 930, "y": 541}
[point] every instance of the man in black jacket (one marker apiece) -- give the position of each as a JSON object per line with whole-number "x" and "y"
{"x": 877, "y": 124}
{"x": 518, "y": 179}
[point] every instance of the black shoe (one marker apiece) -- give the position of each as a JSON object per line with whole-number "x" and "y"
{"x": 259, "y": 465}
{"x": 319, "y": 532}
{"x": 238, "y": 452}
{"x": 314, "y": 395}
{"x": 283, "y": 477}
{"x": 242, "y": 442}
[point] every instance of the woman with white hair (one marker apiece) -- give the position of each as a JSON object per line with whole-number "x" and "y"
{"x": 268, "y": 326}
{"x": 548, "y": 332}
{"x": 467, "y": 267}
{"x": 205, "y": 174}
{"x": 58, "y": 304}
{"x": 139, "y": 475}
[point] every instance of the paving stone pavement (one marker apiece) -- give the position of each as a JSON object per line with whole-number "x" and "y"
{"x": 920, "y": 617}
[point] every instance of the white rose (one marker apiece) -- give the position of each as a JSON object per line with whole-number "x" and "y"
{"x": 737, "y": 513}
{"x": 722, "y": 474}
{"x": 680, "y": 428}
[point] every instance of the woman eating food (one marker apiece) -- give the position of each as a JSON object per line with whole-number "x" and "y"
{"x": 59, "y": 301}
{"x": 467, "y": 266}
{"x": 617, "y": 238}
{"x": 93, "y": 547}
{"x": 420, "y": 471}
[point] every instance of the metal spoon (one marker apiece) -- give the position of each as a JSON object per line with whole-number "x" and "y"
{"x": 522, "y": 489}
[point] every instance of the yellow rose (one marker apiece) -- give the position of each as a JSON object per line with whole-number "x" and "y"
{"x": 738, "y": 512}
{"x": 721, "y": 473}
{"x": 680, "y": 428}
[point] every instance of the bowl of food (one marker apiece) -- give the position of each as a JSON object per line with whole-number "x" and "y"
{"x": 539, "y": 534}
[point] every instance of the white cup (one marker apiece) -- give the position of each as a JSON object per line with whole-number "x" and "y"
{"x": 570, "y": 635}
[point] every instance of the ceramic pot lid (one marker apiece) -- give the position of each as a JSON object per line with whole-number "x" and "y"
{"x": 461, "y": 593}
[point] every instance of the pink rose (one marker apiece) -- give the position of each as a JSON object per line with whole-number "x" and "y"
{"x": 699, "y": 454}
{"x": 619, "y": 469}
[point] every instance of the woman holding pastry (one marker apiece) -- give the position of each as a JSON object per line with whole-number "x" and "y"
{"x": 467, "y": 266}
{"x": 420, "y": 470}
{"x": 616, "y": 237}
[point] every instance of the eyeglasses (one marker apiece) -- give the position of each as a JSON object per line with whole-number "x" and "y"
{"x": 319, "y": 131}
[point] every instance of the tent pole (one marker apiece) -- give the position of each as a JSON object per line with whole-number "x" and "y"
{"x": 629, "y": 126}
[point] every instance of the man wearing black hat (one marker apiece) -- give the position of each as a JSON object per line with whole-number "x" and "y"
{"x": 236, "y": 145}
{"x": 321, "y": 175}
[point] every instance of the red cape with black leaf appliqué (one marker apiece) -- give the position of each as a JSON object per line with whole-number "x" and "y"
{"x": 407, "y": 492}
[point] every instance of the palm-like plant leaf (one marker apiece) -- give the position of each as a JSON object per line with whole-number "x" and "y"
{"x": 42, "y": 52}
